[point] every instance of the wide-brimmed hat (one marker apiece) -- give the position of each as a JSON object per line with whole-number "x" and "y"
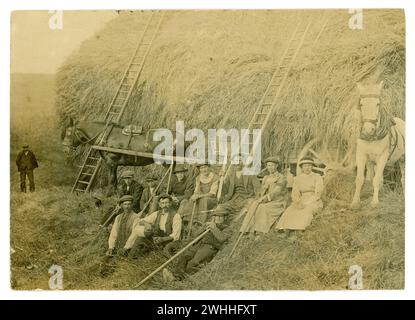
{"x": 125, "y": 198}
{"x": 274, "y": 159}
{"x": 180, "y": 168}
{"x": 25, "y": 146}
{"x": 306, "y": 160}
{"x": 127, "y": 174}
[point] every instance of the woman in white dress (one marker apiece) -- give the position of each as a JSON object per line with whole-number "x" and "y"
{"x": 306, "y": 197}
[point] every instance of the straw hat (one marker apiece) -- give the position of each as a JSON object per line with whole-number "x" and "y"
{"x": 306, "y": 161}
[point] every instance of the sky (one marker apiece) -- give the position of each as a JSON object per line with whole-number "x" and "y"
{"x": 39, "y": 45}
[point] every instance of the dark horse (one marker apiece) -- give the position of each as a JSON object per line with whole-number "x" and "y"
{"x": 132, "y": 139}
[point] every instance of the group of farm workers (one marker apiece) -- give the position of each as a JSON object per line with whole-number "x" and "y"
{"x": 147, "y": 218}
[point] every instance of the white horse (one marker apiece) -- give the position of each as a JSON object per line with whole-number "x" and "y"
{"x": 381, "y": 142}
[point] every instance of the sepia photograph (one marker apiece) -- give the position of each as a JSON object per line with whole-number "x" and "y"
{"x": 207, "y": 149}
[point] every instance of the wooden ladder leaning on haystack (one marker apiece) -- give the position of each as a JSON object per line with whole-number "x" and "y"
{"x": 93, "y": 159}
{"x": 269, "y": 100}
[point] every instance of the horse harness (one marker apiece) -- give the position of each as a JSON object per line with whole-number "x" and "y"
{"x": 381, "y": 132}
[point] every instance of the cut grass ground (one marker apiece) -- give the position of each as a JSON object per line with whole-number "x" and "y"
{"x": 53, "y": 226}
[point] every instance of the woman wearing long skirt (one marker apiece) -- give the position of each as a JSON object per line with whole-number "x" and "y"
{"x": 306, "y": 196}
{"x": 264, "y": 211}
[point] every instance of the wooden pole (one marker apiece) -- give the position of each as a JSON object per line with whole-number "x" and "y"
{"x": 243, "y": 231}
{"x": 191, "y": 220}
{"x": 155, "y": 191}
{"x": 172, "y": 258}
{"x": 114, "y": 212}
{"x": 170, "y": 174}
{"x": 222, "y": 178}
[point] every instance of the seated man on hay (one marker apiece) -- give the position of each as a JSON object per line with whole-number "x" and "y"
{"x": 306, "y": 197}
{"x": 121, "y": 239}
{"x": 149, "y": 192}
{"x": 265, "y": 210}
{"x": 204, "y": 250}
{"x": 181, "y": 188}
{"x": 157, "y": 229}
{"x": 240, "y": 189}
{"x": 128, "y": 185}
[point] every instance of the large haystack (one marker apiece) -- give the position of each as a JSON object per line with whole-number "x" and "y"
{"x": 210, "y": 69}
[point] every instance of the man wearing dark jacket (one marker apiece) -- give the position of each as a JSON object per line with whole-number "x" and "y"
{"x": 204, "y": 250}
{"x": 129, "y": 186}
{"x": 150, "y": 195}
{"x": 181, "y": 187}
{"x": 241, "y": 189}
{"x": 26, "y": 162}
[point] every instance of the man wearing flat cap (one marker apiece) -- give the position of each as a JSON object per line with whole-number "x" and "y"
{"x": 121, "y": 238}
{"x": 204, "y": 250}
{"x": 26, "y": 162}
{"x": 267, "y": 208}
{"x": 129, "y": 186}
{"x": 162, "y": 226}
{"x": 182, "y": 186}
{"x": 149, "y": 194}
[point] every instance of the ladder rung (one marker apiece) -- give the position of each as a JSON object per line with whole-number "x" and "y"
{"x": 83, "y": 182}
{"x": 261, "y": 113}
{"x": 80, "y": 190}
{"x": 93, "y": 158}
{"x": 90, "y": 166}
{"x": 87, "y": 174}
{"x": 257, "y": 123}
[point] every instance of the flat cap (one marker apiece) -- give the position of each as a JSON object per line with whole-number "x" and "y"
{"x": 125, "y": 198}
{"x": 151, "y": 177}
{"x": 273, "y": 159}
{"x": 220, "y": 212}
{"x": 127, "y": 174}
{"x": 180, "y": 168}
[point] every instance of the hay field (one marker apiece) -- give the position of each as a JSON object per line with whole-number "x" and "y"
{"x": 185, "y": 76}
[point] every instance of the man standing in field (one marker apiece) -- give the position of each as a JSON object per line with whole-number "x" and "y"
{"x": 26, "y": 162}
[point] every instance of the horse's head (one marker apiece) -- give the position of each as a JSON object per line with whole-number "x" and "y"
{"x": 369, "y": 107}
{"x": 72, "y": 137}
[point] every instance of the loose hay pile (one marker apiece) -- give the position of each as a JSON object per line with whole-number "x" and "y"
{"x": 210, "y": 70}
{"x": 222, "y": 62}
